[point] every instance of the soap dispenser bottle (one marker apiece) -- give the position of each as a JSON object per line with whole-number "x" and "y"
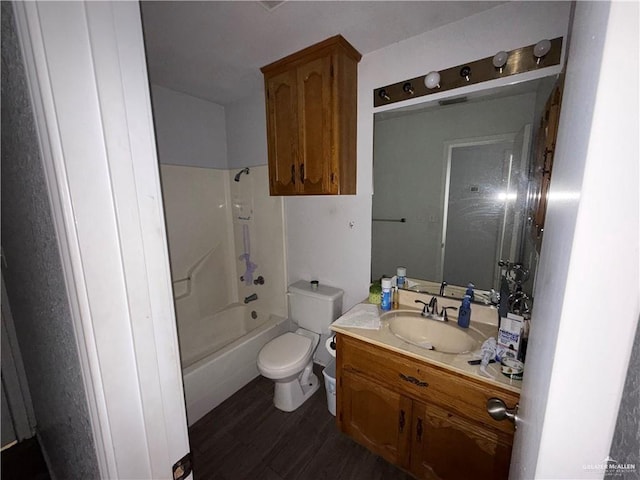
{"x": 470, "y": 287}
{"x": 464, "y": 315}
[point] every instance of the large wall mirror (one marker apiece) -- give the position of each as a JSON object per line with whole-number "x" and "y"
{"x": 453, "y": 184}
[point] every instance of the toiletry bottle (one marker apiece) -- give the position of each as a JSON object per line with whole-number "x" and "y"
{"x": 470, "y": 287}
{"x": 464, "y": 315}
{"x": 396, "y": 298}
{"x": 385, "y": 303}
{"x": 401, "y": 274}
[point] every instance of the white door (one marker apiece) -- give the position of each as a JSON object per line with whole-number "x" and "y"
{"x": 578, "y": 356}
{"x": 478, "y": 174}
{"x": 87, "y": 76}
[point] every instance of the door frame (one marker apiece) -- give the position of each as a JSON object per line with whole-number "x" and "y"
{"x": 87, "y": 78}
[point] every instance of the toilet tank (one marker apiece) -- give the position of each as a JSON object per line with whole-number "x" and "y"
{"x": 314, "y": 309}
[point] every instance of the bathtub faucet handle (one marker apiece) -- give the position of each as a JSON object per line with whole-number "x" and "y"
{"x": 251, "y": 298}
{"x": 259, "y": 280}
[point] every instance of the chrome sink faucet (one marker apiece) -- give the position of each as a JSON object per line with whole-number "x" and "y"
{"x": 433, "y": 307}
{"x": 430, "y": 310}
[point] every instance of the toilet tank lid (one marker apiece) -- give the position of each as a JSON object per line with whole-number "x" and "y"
{"x": 324, "y": 292}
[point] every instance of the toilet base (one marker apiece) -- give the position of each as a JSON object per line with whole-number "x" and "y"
{"x": 288, "y": 396}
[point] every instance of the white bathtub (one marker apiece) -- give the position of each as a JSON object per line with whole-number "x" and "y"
{"x": 219, "y": 354}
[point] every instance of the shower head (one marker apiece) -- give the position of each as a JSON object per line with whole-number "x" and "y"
{"x": 237, "y": 177}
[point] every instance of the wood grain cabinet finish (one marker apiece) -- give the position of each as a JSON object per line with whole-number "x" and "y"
{"x": 311, "y": 102}
{"x": 425, "y": 419}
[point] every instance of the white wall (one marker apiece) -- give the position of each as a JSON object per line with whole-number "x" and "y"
{"x": 189, "y": 131}
{"x": 587, "y": 289}
{"x": 247, "y": 132}
{"x": 321, "y": 242}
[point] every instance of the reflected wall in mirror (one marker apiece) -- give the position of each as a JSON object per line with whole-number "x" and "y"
{"x": 459, "y": 173}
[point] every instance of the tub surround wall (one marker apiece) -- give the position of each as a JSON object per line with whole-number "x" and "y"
{"x": 194, "y": 136}
{"x": 206, "y": 239}
{"x": 200, "y": 246}
{"x": 266, "y": 232}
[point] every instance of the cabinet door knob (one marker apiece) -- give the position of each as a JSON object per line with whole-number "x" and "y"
{"x": 401, "y": 421}
{"x": 419, "y": 430}
{"x": 302, "y": 173}
{"x": 293, "y": 174}
{"x": 499, "y": 411}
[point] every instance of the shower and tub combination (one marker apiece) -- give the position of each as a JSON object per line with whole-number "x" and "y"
{"x": 221, "y": 231}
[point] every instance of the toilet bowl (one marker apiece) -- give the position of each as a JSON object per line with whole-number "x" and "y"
{"x": 288, "y": 360}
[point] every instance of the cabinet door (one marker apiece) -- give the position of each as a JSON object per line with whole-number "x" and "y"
{"x": 376, "y": 417}
{"x": 446, "y": 446}
{"x": 315, "y": 126}
{"x": 282, "y": 130}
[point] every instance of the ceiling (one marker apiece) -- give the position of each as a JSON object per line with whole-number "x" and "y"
{"x": 214, "y": 49}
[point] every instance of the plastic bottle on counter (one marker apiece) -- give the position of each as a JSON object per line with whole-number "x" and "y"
{"x": 396, "y": 298}
{"x": 464, "y": 315}
{"x": 385, "y": 303}
{"x": 401, "y": 274}
{"x": 470, "y": 287}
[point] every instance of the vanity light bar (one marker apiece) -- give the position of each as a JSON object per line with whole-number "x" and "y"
{"x": 519, "y": 60}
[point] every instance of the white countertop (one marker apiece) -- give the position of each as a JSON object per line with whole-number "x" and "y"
{"x": 455, "y": 362}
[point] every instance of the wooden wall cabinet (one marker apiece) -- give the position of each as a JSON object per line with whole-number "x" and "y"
{"x": 425, "y": 419}
{"x": 543, "y": 163}
{"x": 311, "y": 104}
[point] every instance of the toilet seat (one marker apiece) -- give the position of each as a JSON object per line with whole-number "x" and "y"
{"x": 287, "y": 354}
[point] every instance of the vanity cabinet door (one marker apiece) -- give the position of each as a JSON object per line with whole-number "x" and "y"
{"x": 376, "y": 417}
{"x": 446, "y": 446}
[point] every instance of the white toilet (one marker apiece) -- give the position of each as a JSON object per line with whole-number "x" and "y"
{"x": 288, "y": 359}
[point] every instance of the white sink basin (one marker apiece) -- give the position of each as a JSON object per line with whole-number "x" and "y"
{"x": 443, "y": 337}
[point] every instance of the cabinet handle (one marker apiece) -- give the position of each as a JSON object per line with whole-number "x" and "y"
{"x": 401, "y": 421}
{"x": 413, "y": 380}
{"x": 419, "y": 430}
{"x": 293, "y": 174}
{"x": 302, "y": 173}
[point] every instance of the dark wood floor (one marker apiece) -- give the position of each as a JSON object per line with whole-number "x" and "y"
{"x": 246, "y": 437}
{"x": 24, "y": 461}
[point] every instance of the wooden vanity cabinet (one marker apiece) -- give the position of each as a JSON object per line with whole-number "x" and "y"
{"x": 425, "y": 419}
{"x": 311, "y": 103}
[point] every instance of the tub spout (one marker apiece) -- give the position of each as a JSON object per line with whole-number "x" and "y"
{"x": 251, "y": 298}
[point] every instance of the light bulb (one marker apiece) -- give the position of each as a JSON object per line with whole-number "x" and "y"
{"x": 541, "y": 49}
{"x": 432, "y": 80}
{"x": 500, "y": 59}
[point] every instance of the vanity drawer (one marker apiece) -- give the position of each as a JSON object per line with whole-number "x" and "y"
{"x": 422, "y": 381}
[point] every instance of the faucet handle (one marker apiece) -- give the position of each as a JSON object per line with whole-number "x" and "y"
{"x": 425, "y": 309}
{"x": 444, "y": 315}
